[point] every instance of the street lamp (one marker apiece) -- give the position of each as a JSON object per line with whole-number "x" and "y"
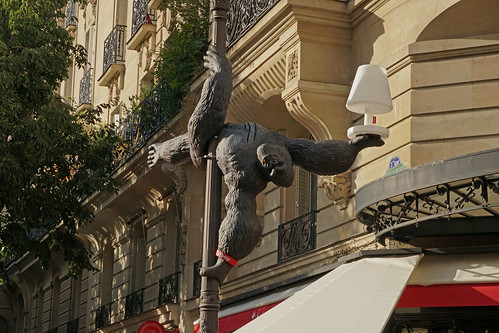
{"x": 370, "y": 95}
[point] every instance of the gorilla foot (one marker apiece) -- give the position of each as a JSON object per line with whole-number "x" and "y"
{"x": 219, "y": 271}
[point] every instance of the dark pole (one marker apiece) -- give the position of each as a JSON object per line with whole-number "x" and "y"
{"x": 209, "y": 302}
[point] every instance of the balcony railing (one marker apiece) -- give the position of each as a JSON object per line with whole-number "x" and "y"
{"x": 72, "y": 326}
{"x": 196, "y": 288}
{"x": 86, "y": 88}
{"x": 70, "y": 14}
{"x": 134, "y": 303}
{"x": 168, "y": 289}
{"x": 243, "y": 15}
{"x": 36, "y": 233}
{"x": 114, "y": 47}
{"x": 297, "y": 236}
{"x": 156, "y": 109}
{"x": 103, "y": 316}
{"x": 453, "y": 201}
{"x": 141, "y": 15}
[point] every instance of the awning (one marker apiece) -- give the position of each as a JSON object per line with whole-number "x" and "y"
{"x": 355, "y": 297}
{"x": 234, "y": 317}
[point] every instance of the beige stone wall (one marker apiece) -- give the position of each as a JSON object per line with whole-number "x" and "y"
{"x": 444, "y": 81}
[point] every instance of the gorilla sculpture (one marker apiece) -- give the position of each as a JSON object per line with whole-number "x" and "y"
{"x": 249, "y": 157}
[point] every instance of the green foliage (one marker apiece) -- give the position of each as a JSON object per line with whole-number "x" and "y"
{"x": 51, "y": 157}
{"x": 183, "y": 52}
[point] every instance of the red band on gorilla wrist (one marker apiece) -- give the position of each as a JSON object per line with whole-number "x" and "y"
{"x": 226, "y": 258}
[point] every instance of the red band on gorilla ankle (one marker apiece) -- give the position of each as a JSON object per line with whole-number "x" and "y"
{"x": 226, "y": 258}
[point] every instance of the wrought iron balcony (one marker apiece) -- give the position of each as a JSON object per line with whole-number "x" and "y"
{"x": 114, "y": 47}
{"x": 156, "y": 109}
{"x": 243, "y": 15}
{"x": 141, "y": 15}
{"x": 134, "y": 303}
{"x": 37, "y": 233}
{"x": 72, "y": 326}
{"x": 168, "y": 289}
{"x": 297, "y": 236}
{"x": 454, "y": 201}
{"x": 70, "y": 14}
{"x": 196, "y": 288}
{"x": 103, "y": 316}
{"x": 85, "y": 96}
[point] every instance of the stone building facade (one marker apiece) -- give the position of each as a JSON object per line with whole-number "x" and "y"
{"x": 293, "y": 65}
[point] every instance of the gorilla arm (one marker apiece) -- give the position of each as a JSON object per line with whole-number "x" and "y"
{"x": 329, "y": 157}
{"x": 173, "y": 151}
{"x": 206, "y": 120}
{"x": 209, "y": 116}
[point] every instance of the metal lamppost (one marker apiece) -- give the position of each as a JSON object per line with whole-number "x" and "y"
{"x": 209, "y": 303}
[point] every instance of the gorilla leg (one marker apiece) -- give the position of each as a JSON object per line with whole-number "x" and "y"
{"x": 239, "y": 232}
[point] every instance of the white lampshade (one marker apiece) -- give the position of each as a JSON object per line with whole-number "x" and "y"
{"x": 370, "y": 95}
{"x": 370, "y": 92}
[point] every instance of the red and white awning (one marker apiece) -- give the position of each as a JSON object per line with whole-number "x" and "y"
{"x": 355, "y": 297}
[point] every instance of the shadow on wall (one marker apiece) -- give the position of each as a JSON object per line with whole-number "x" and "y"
{"x": 465, "y": 19}
{"x": 3, "y": 326}
{"x": 7, "y": 315}
{"x": 365, "y": 37}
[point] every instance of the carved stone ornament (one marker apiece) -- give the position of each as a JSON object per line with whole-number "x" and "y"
{"x": 338, "y": 187}
{"x": 177, "y": 172}
{"x": 149, "y": 54}
{"x": 94, "y": 5}
{"x": 114, "y": 89}
{"x": 292, "y": 65}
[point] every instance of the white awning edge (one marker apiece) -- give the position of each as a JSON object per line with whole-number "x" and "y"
{"x": 355, "y": 297}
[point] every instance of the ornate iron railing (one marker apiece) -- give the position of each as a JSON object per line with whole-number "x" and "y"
{"x": 134, "y": 303}
{"x": 243, "y": 15}
{"x": 37, "y": 233}
{"x": 70, "y": 14}
{"x": 155, "y": 110}
{"x": 168, "y": 289}
{"x": 72, "y": 326}
{"x": 471, "y": 198}
{"x": 103, "y": 316}
{"x": 297, "y": 236}
{"x": 445, "y": 200}
{"x": 114, "y": 47}
{"x": 196, "y": 279}
{"x": 85, "y": 96}
{"x": 141, "y": 15}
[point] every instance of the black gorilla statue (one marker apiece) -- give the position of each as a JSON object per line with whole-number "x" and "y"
{"x": 249, "y": 157}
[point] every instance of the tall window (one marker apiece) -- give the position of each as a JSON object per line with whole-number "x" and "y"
{"x": 107, "y": 274}
{"x": 56, "y": 295}
{"x": 139, "y": 255}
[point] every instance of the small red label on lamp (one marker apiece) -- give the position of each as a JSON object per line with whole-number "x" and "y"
{"x": 374, "y": 119}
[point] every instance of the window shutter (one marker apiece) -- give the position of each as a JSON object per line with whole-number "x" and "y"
{"x": 91, "y": 46}
{"x": 302, "y": 179}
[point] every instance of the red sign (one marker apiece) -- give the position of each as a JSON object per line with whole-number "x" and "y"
{"x": 447, "y": 295}
{"x": 238, "y": 320}
{"x": 151, "y": 326}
